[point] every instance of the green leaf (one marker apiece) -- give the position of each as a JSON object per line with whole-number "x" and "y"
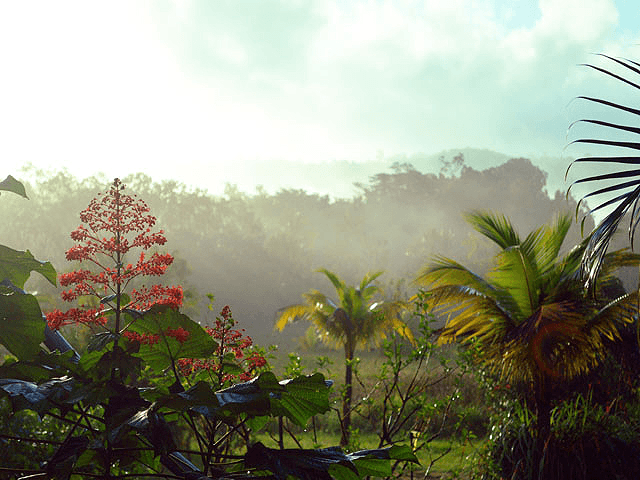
{"x": 60, "y": 465}
{"x": 21, "y": 325}
{"x": 100, "y": 341}
{"x": 89, "y": 360}
{"x": 29, "y": 371}
{"x": 402, "y": 452}
{"x": 29, "y": 395}
{"x": 257, "y": 423}
{"x": 199, "y": 398}
{"x": 298, "y": 399}
{"x": 373, "y": 467}
{"x": 156, "y": 321}
{"x": 16, "y": 266}
{"x": 10, "y": 184}
{"x": 153, "y": 426}
{"x": 303, "y": 397}
{"x": 299, "y": 463}
{"x": 340, "y": 472}
{"x": 117, "y": 358}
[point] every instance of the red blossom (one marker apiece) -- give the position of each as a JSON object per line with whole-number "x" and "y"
{"x": 57, "y": 319}
{"x": 230, "y": 340}
{"x": 113, "y": 224}
{"x": 143, "y": 298}
{"x": 179, "y": 334}
{"x": 144, "y": 338}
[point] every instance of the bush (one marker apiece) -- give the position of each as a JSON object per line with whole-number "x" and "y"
{"x": 587, "y": 441}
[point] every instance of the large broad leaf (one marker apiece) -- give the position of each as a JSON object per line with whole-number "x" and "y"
{"x": 60, "y": 465}
{"x": 29, "y": 395}
{"x": 297, "y": 399}
{"x": 10, "y": 184}
{"x": 16, "y": 266}
{"x": 299, "y": 463}
{"x": 154, "y": 427}
{"x": 376, "y": 462}
{"x": 156, "y": 322}
{"x": 326, "y": 463}
{"x": 21, "y": 324}
{"x": 302, "y": 398}
{"x": 29, "y": 371}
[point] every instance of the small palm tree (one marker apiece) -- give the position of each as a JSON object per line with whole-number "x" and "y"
{"x": 534, "y": 322}
{"x": 360, "y": 318}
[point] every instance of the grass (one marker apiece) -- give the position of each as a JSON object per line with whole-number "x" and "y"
{"x": 450, "y": 455}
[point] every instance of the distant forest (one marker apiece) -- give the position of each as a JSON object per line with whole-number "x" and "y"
{"x": 259, "y": 252}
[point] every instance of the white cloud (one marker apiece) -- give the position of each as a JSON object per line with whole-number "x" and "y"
{"x": 163, "y": 85}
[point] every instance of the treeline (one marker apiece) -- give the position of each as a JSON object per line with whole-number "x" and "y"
{"x": 258, "y": 252}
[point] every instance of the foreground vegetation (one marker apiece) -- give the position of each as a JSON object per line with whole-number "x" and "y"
{"x": 148, "y": 392}
{"x": 542, "y": 381}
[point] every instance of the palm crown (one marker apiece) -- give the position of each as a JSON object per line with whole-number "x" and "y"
{"x": 530, "y": 312}
{"x": 358, "y": 319}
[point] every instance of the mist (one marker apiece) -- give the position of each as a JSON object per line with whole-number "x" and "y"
{"x": 258, "y": 251}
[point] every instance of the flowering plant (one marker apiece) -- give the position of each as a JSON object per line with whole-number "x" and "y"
{"x": 109, "y": 426}
{"x": 113, "y": 225}
{"x": 236, "y": 357}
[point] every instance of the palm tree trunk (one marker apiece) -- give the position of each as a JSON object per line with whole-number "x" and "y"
{"x": 348, "y": 392}
{"x": 543, "y": 428}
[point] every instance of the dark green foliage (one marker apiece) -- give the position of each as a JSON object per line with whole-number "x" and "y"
{"x": 587, "y": 442}
{"x": 16, "y": 267}
{"x": 121, "y": 402}
{"x": 325, "y": 463}
{"x": 168, "y": 350}
{"x": 21, "y": 324}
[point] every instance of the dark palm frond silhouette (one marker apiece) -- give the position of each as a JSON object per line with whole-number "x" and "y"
{"x": 619, "y": 187}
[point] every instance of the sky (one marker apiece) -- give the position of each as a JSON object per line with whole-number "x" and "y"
{"x": 204, "y": 91}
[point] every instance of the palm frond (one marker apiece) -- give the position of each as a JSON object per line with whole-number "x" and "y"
{"x": 600, "y": 238}
{"x": 368, "y": 279}
{"x": 338, "y": 284}
{"x": 444, "y": 271}
{"x": 291, "y": 314}
{"x": 495, "y": 227}
{"x": 516, "y": 273}
{"x": 550, "y": 243}
{"x": 469, "y": 313}
{"x": 609, "y": 319}
{"x": 318, "y": 300}
{"x": 627, "y": 182}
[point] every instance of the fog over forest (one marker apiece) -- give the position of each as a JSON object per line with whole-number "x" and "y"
{"x": 258, "y": 252}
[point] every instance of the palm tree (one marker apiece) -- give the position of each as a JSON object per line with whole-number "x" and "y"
{"x": 619, "y": 188}
{"x": 535, "y": 324}
{"x": 359, "y": 319}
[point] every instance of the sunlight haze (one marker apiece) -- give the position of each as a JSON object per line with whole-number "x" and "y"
{"x": 209, "y": 93}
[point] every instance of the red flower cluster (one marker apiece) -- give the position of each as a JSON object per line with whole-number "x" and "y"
{"x": 230, "y": 340}
{"x": 143, "y": 298}
{"x": 57, "y": 319}
{"x": 179, "y": 334}
{"x": 113, "y": 225}
{"x": 144, "y": 338}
